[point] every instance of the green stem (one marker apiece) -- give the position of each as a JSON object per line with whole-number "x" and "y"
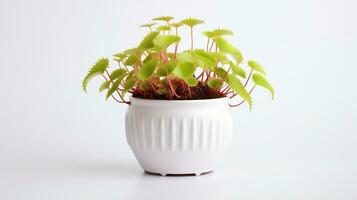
{"x": 250, "y": 74}
{"x": 121, "y": 97}
{"x": 207, "y": 44}
{"x": 113, "y": 95}
{"x": 211, "y": 46}
{"x": 191, "y": 38}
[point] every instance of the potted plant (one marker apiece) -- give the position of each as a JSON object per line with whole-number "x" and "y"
{"x": 178, "y": 118}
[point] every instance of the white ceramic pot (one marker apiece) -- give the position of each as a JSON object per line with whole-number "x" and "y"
{"x": 178, "y": 136}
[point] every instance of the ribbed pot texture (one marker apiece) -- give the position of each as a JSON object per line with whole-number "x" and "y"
{"x": 178, "y": 136}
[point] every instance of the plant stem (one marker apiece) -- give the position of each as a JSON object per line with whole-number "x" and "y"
{"x": 225, "y": 89}
{"x": 127, "y": 102}
{"x": 172, "y": 88}
{"x": 152, "y": 85}
{"x": 113, "y": 95}
{"x": 210, "y": 49}
{"x": 207, "y": 44}
{"x": 191, "y": 28}
{"x": 177, "y": 43}
{"x": 168, "y": 31}
{"x": 203, "y": 73}
{"x": 250, "y": 74}
{"x": 199, "y": 76}
{"x": 176, "y": 47}
{"x": 164, "y": 55}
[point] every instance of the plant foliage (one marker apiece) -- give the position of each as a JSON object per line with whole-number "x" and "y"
{"x": 159, "y": 67}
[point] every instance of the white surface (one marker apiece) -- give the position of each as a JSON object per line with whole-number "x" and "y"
{"x": 59, "y": 143}
{"x": 178, "y": 137}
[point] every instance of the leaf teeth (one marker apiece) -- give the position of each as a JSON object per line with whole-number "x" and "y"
{"x": 104, "y": 85}
{"x": 147, "y": 43}
{"x": 191, "y": 22}
{"x": 119, "y": 56}
{"x": 176, "y": 24}
{"x": 221, "y": 32}
{"x": 149, "y": 25}
{"x": 163, "y": 18}
{"x": 98, "y": 68}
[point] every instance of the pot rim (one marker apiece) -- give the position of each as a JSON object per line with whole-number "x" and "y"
{"x": 160, "y": 102}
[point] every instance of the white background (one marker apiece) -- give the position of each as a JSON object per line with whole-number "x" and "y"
{"x": 58, "y": 143}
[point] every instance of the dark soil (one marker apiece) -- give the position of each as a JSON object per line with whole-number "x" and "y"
{"x": 183, "y": 92}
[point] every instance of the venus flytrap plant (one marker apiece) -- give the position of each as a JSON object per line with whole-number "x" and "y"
{"x": 152, "y": 70}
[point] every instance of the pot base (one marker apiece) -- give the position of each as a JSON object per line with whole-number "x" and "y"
{"x": 186, "y": 174}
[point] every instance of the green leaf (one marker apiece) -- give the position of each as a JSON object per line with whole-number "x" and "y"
{"x": 221, "y": 32}
{"x": 147, "y": 42}
{"x": 170, "y": 55}
{"x": 97, "y": 69}
{"x": 221, "y": 73}
{"x": 186, "y": 56}
{"x": 237, "y": 86}
{"x": 214, "y": 83}
{"x": 131, "y": 74}
{"x": 132, "y": 60}
{"x": 184, "y": 69}
{"x": 120, "y": 56}
{"x": 256, "y": 66}
{"x": 133, "y": 51}
{"x": 115, "y": 85}
{"x": 163, "y": 41}
{"x": 176, "y": 24}
{"x": 147, "y": 69}
{"x": 237, "y": 70}
{"x": 226, "y": 47}
{"x": 261, "y": 81}
{"x": 191, "y": 81}
{"x": 129, "y": 83}
{"x": 219, "y": 57}
{"x": 149, "y": 25}
{"x": 166, "y": 69}
{"x": 145, "y": 85}
{"x": 117, "y": 73}
{"x": 163, "y": 28}
{"x": 204, "y": 58}
{"x": 163, "y": 18}
{"x": 105, "y": 85}
{"x": 191, "y": 22}
{"x": 149, "y": 57}
{"x": 208, "y": 34}
{"x": 198, "y": 56}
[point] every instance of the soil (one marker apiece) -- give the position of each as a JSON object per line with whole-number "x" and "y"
{"x": 183, "y": 93}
